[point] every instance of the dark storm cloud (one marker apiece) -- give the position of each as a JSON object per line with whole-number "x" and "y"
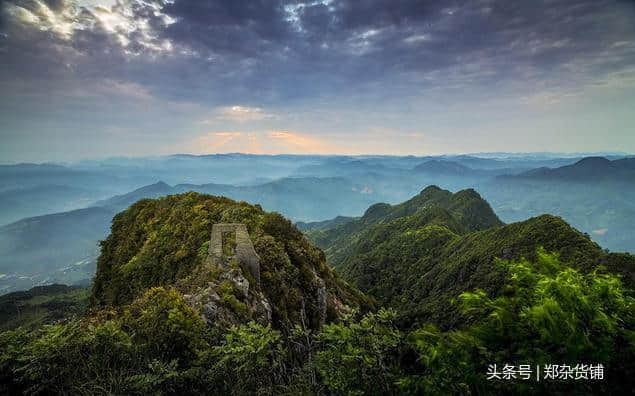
{"x": 168, "y": 71}
{"x": 246, "y": 28}
{"x": 358, "y": 42}
{"x": 285, "y": 49}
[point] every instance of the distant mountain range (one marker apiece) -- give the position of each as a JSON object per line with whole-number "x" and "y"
{"x": 44, "y": 199}
{"x": 593, "y": 194}
{"x": 443, "y": 167}
{"x": 457, "y": 169}
{"x": 56, "y": 248}
{"x": 303, "y": 198}
{"x": 587, "y": 169}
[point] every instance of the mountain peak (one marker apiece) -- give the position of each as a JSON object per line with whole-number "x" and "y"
{"x": 175, "y": 231}
{"x": 469, "y": 192}
{"x": 593, "y": 161}
{"x": 587, "y": 169}
{"x": 431, "y": 189}
{"x": 377, "y": 210}
{"x": 442, "y": 167}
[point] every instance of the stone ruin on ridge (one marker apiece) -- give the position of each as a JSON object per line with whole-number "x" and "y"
{"x": 229, "y": 241}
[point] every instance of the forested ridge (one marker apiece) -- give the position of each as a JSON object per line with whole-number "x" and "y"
{"x": 431, "y": 293}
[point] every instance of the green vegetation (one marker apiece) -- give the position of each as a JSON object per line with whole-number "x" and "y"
{"x": 162, "y": 321}
{"x": 360, "y": 357}
{"x": 462, "y": 212}
{"x": 164, "y": 242}
{"x": 417, "y": 256}
{"x": 42, "y": 305}
{"x": 547, "y": 312}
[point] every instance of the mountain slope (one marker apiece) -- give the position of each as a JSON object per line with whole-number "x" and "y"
{"x": 165, "y": 242}
{"x": 461, "y": 212}
{"x": 418, "y": 256}
{"x": 301, "y": 198}
{"x": 323, "y": 225}
{"x": 58, "y": 248}
{"x": 120, "y": 202}
{"x": 448, "y": 168}
{"x": 586, "y": 169}
{"x": 42, "y": 305}
{"x": 42, "y": 199}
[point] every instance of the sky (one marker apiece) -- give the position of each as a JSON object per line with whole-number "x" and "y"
{"x": 92, "y": 79}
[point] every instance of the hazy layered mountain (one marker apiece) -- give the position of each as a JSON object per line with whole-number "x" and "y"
{"x": 43, "y": 199}
{"x": 589, "y": 169}
{"x": 597, "y": 203}
{"x": 122, "y": 201}
{"x": 595, "y": 195}
{"x": 448, "y": 168}
{"x": 29, "y": 175}
{"x": 56, "y": 248}
{"x": 443, "y": 167}
{"x": 420, "y": 254}
{"x": 605, "y": 211}
{"x": 234, "y": 169}
{"x": 28, "y": 190}
{"x": 506, "y": 161}
{"x": 305, "y": 198}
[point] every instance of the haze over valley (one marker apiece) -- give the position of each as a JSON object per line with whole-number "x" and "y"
{"x": 52, "y": 236}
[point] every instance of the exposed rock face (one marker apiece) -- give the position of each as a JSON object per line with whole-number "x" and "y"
{"x": 230, "y": 298}
{"x": 245, "y": 253}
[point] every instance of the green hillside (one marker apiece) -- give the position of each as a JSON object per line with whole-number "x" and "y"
{"x": 42, "y": 305}
{"x": 418, "y": 256}
{"x": 164, "y": 242}
{"x": 461, "y": 212}
{"x": 166, "y": 317}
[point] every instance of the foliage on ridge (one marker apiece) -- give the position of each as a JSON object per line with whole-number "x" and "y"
{"x": 546, "y": 313}
{"x": 417, "y": 256}
{"x": 161, "y": 242}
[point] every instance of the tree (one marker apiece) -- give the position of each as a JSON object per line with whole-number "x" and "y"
{"x": 547, "y": 313}
{"x": 360, "y": 357}
{"x": 249, "y": 361}
{"x": 164, "y": 327}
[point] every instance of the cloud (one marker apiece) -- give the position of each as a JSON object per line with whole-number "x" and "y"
{"x": 293, "y": 142}
{"x": 258, "y": 142}
{"x": 275, "y": 64}
{"x": 61, "y": 20}
{"x": 600, "y": 232}
{"x": 227, "y": 134}
{"x": 265, "y": 49}
{"x": 124, "y": 89}
{"x": 133, "y": 24}
{"x": 240, "y": 114}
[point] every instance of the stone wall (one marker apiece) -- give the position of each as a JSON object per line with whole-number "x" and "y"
{"x": 245, "y": 253}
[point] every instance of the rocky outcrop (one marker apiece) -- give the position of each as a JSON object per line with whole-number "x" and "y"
{"x": 230, "y": 298}
{"x": 244, "y": 253}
